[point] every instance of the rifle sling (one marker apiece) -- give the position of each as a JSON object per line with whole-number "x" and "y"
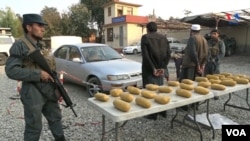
{"x": 27, "y": 42}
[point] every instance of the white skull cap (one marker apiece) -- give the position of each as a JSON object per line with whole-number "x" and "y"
{"x": 196, "y": 27}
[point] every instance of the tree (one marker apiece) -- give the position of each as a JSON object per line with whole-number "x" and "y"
{"x": 79, "y": 18}
{"x": 9, "y": 19}
{"x": 187, "y": 12}
{"x": 66, "y": 24}
{"x": 52, "y": 17}
{"x": 96, "y": 12}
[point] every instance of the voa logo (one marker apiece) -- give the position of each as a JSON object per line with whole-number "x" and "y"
{"x": 236, "y": 132}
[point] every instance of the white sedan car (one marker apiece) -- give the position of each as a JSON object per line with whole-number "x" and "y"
{"x": 133, "y": 48}
{"x": 98, "y": 64}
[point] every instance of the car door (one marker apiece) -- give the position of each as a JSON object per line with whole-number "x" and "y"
{"x": 75, "y": 66}
{"x": 61, "y": 57}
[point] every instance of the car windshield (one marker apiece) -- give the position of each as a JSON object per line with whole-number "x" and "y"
{"x": 99, "y": 53}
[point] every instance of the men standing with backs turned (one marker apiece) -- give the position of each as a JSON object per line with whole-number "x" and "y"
{"x": 155, "y": 57}
{"x": 195, "y": 54}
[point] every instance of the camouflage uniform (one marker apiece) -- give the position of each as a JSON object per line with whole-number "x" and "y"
{"x": 216, "y": 52}
{"x": 37, "y": 97}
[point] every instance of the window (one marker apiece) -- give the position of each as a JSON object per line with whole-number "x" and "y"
{"x": 62, "y": 53}
{"x": 129, "y": 11}
{"x": 100, "y": 53}
{"x": 110, "y": 34}
{"x": 109, "y": 11}
{"x": 74, "y": 53}
{"x": 119, "y": 11}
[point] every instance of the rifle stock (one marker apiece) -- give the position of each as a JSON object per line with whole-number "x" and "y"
{"x": 37, "y": 57}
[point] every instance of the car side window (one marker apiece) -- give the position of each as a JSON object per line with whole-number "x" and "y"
{"x": 74, "y": 53}
{"x": 62, "y": 53}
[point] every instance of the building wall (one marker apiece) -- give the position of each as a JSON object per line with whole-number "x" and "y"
{"x": 132, "y": 25}
{"x": 131, "y": 33}
{"x": 108, "y": 19}
{"x": 134, "y": 33}
{"x": 115, "y": 42}
{"x": 184, "y": 34}
{"x": 242, "y": 36}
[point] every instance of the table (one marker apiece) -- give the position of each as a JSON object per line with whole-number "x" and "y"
{"x": 230, "y": 90}
{"x": 108, "y": 110}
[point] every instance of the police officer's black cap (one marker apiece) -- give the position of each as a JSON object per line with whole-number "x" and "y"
{"x": 33, "y": 18}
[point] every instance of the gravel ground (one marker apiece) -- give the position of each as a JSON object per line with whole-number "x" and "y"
{"x": 87, "y": 126}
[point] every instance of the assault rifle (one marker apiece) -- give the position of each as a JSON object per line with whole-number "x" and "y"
{"x": 37, "y": 57}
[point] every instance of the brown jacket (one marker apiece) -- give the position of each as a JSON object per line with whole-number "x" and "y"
{"x": 196, "y": 52}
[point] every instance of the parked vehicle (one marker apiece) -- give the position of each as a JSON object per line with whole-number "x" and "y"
{"x": 230, "y": 44}
{"x": 6, "y": 41}
{"x": 176, "y": 45}
{"x": 97, "y": 64}
{"x": 133, "y": 48}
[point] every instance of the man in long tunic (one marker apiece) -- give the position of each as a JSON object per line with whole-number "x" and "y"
{"x": 195, "y": 54}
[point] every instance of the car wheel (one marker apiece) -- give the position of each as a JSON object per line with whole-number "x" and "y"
{"x": 229, "y": 52}
{"x": 90, "y": 89}
{"x": 3, "y": 59}
{"x": 135, "y": 51}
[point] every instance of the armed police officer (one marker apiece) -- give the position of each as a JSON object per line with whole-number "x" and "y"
{"x": 216, "y": 52}
{"x": 38, "y": 93}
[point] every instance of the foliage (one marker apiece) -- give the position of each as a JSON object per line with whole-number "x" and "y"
{"x": 79, "y": 18}
{"x": 66, "y": 24}
{"x": 97, "y": 13}
{"x": 52, "y": 17}
{"x": 73, "y": 22}
{"x": 9, "y": 19}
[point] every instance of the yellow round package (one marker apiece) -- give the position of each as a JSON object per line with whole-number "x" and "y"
{"x": 121, "y": 105}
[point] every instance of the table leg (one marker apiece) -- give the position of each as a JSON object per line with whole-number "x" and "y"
{"x": 199, "y": 129}
{"x": 210, "y": 123}
{"x": 229, "y": 98}
{"x": 186, "y": 115}
{"x": 234, "y": 106}
{"x": 103, "y": 127}
{"x": 247, "y": 97}
{"x": 117, "y": 133}
{"x": 172, "y": 121}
